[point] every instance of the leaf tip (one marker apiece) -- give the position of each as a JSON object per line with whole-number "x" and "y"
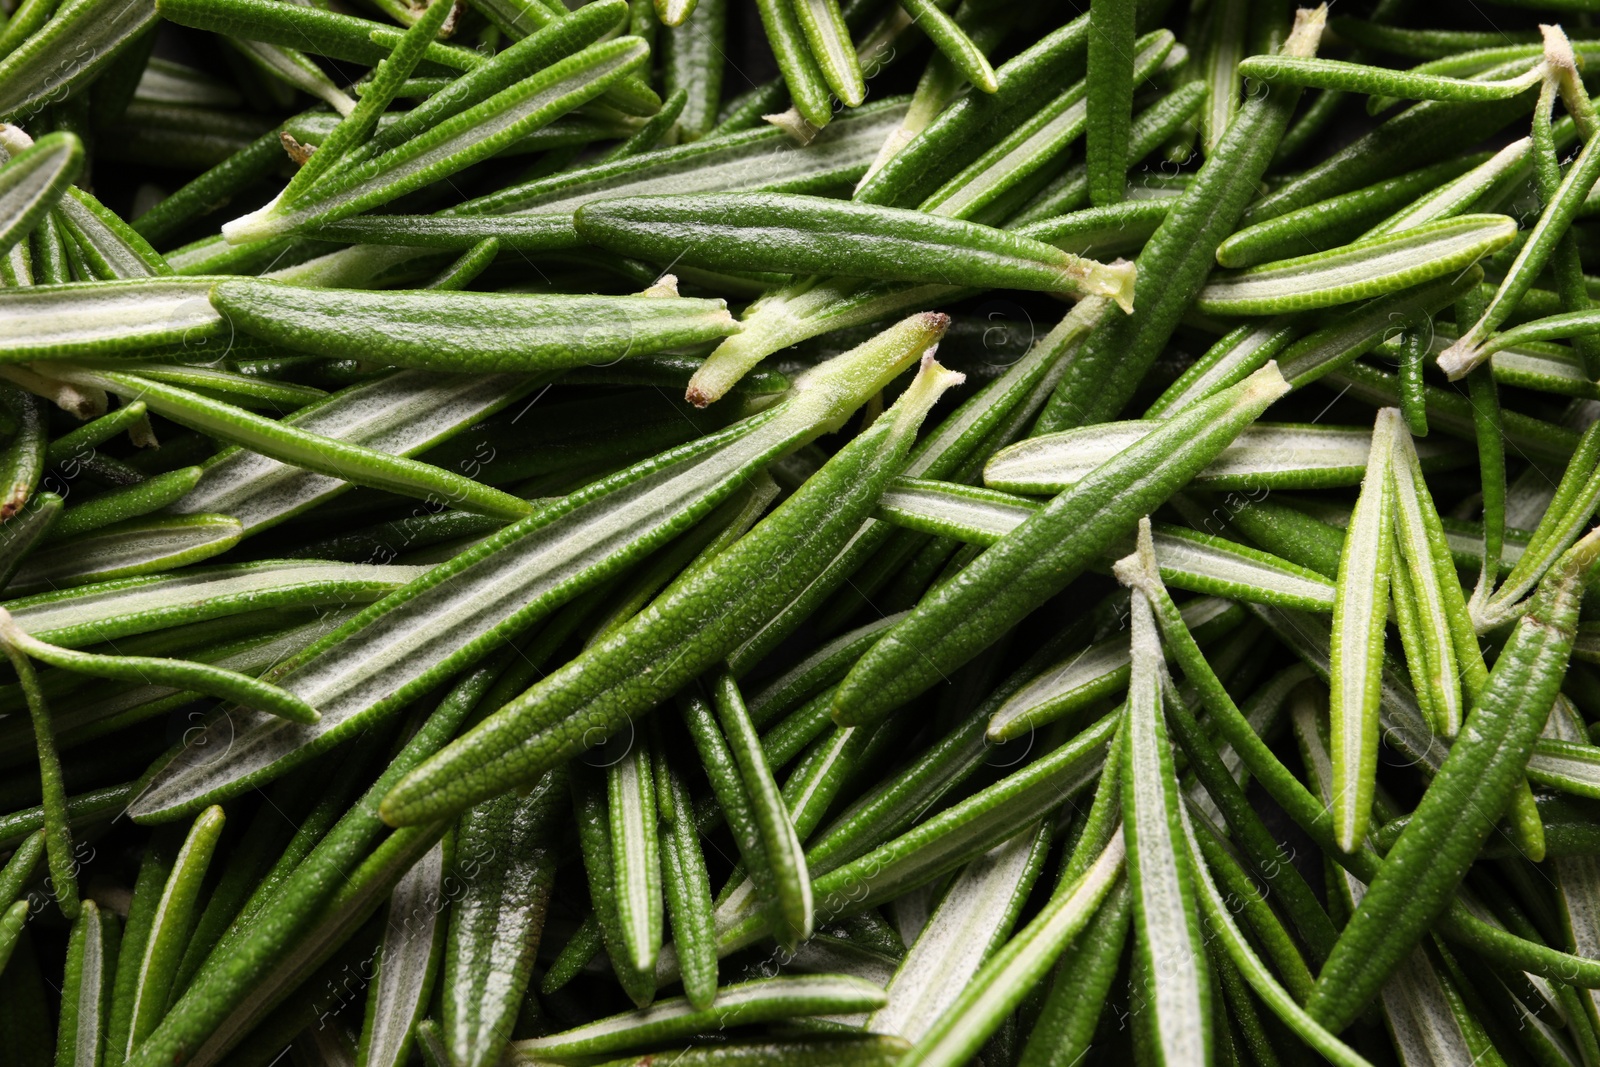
{"x": 1306, "y": 35}
{"x": 1269, "y": 381}
{"x": 1557, "y": 48}
{"x": 1115, "y": 280}
{"x": 795, "y": 125}
{"x": 1460, "y": 359}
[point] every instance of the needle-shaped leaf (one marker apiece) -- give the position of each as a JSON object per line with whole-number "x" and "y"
{"x": 129, "y": 502}
{"x": 245, "y": 390}
{"x": 829, "y": 39}
{"x": 74, "y": 443}
{"x": 1360, "y": 610}
{"x": 1087, "y": 674}
{"x": 401, "y": 414}
{"x": 109, "y": 610}
{"x": 1441, "y": 610}
{"x": 1025, "y": 568}
{"x": 22, "y": 461}
{"x": 1570, "y": 510}
{"x": 20, "y": 868}
{"x": 1189, "y": 560}
{"x": 554, "y": 41}
{"x": 1219, "y": 567}
{"x": 780, "y": 843}
{"x": 1006, "y": 978}
{"x": 728, "y": 788}
{"x": 76, "y": 45}
{"x": 469, "y": 332}
{"x": 326, "y": 33}
{"x": 458, "y": 142}
{"x": 1220, "y": 921}
{"x": 1466, "y": 62}
{"x": 752, "y": 159}
{"x": 956, "y": 44}
{"x": 812, "y": 235}
{"x": 128, "y": 549}
{"x": 91, "y": 808}
{"x": 24, "y": 531}
{"x": 1178, "y": 257}
{"x": 1168, "y": 939}
{"x": 33, "y": 181}
{"x": 122, "y": 705}
{"x": 52, "y": 789}
{"x": 174, "y": 917}
{"x": 358, "y": 126}
{"x": 807, "y": 88}
{"x": 149, "y": 884}
{"x": 1367, "y": 268}
{"x": 981, "y": 188}
{"x": 973, "y": 919}
{"x": 1480, "y": 185}
{"x": 1110, "y": 101}
{"x": 532, "y": 232}
{"x": 520, "y": 575}
{"x": 108, "y": 247}
{"x": 503, "y": 855}
{"x": 1263, "y": 456}
{"x": 1239, "y": 351}
{"x": 1570, "y": 766}
{"x": 1472, "y": 788}
{"x": 1222, "y": 40}
{"x": 1564, "y": 326}
{"x": 282, "y": 441}
{"x": 1315, "y": 227}
{"x": 25, "y": 22}
{"x": 759, "y": 1001}
{"x": 291, "y": 67}
{"x": 590, "y": 809}
{"x": 1361, "y": 78}
{"x": 692, "y": 61}
{"x": 106, "y": 318}
{"x": 949, "y": 509}
{"x": 599, "y": 691}
{"x": 407, "y": 963}
{"x": 1104, "y": 231}
{"x": 85, "y": 987}
{"x": 636, "y": 854}
{"x": 160, "y": 670}
{"x": 688, "y": 890}
{"x": 1542, "y": 241}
